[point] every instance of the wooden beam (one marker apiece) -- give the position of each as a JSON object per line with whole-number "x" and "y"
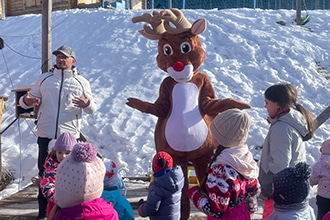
{"x": 3, "y": 9}
{"x": 321, "y": 118}
{"x": 298, "y": 11}
{"x": 3, "y": 99}
{"x": 46, "y": 49}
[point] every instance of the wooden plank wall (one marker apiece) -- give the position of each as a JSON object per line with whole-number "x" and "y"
{"x": 19, "y": 7}
{"x": 136, "y": 4}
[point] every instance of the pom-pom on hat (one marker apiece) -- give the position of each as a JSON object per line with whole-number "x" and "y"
{"x": 79, "y": 176}
{"x": 325, "y": 148}
{"x": 161, "y": 162}
{"x": 291, "y": 185}
{"x": 231, "y": 127}
{"x": 65, "y": 141}
{"x": 112, "y": 179}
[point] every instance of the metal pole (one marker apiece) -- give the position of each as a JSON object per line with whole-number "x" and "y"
{"x": 0, "y": 158}
{"x": 46, "y": 36}
{"x": 0, "y": 143}
{"x": 20, "y": 157}
{"x": 298, "y": 12}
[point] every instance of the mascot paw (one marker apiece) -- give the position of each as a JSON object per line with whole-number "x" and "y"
{"x": 137, "y": 104}
{"x": 240, "y": 105}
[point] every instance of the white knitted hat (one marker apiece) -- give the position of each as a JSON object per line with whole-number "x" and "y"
{"x": 79, "y": 176}
{"x": 231, "y": 127}
{"x": 112, "y": 179}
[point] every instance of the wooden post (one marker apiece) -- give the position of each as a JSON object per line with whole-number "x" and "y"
{"x": 3, "y": 99}
{"x": 46, "y": 36}
{"x": 321, "y": 118}
{"x": 144, "y": 4}
{"x": 298, "y": 11}
{"x": 3, "y": 9}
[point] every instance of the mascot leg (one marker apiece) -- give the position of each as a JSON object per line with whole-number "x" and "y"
{"x": 185, "y": 202}
{"x": 201, "y": 164}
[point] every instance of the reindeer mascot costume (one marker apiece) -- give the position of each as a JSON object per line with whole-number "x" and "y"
{"x": 187, "y": 103}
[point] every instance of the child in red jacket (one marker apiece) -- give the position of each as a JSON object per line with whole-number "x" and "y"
{"x": 232, "y": 174}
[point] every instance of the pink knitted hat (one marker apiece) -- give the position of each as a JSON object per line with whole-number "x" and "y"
{"x": 325, "y": 148}
{"x": 79, "y": 176}
{"x": 65, "y": 141}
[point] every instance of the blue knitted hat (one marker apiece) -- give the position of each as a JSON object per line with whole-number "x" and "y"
{"x": 291, "y": 185}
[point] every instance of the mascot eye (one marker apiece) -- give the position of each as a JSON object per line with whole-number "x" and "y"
{"x": 167, "y": 49}
{"x": 185, "y": 47}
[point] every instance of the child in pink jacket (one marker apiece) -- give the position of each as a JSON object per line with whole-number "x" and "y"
{"x": 62, "y": 148}
{"x": 79, "y": 186}
{"x": 321, "y": 177}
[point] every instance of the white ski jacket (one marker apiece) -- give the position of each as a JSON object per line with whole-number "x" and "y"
{"x": 283, "y": 147}
{"x": 57, "y": 114}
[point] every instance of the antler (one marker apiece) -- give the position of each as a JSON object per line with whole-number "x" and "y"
{"x": 156, "y": 23}
{"x": 159, "y": 23}
{"x": 176, "y": 17}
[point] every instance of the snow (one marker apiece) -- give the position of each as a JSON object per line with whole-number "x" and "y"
{"x": 247, "y": 51}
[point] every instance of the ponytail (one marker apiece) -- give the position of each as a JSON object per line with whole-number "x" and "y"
{"x": 311, "y": 123}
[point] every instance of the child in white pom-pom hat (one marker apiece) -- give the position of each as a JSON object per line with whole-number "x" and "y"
{"x": 231, "y": 182}
{"x": 113, "y": 185}
{"x": 79, "y": 185}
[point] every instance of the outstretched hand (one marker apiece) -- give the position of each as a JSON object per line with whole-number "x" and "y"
{"x": 240, "y": 105}
{"x": 81, "y": 102}
{"x": 30, "y": 101}
{"x": 137, "y": 104}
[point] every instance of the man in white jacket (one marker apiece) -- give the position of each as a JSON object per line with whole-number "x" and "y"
{"x": 61, "y": 95}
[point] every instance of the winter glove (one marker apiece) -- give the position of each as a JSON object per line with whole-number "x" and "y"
{"x": 140, "y": 202}
{"x": 202, "y": 203}
{"x": 195, "y": 196}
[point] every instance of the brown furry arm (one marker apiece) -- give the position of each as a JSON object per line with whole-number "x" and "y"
{"x": 161, "y": 106}
{"x": 212, "y": 106}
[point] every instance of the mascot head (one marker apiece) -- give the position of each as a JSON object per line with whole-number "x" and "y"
{"x": 180, "y": 52}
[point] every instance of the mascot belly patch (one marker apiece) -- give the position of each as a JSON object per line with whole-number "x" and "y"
{"x": 185, "y": 129}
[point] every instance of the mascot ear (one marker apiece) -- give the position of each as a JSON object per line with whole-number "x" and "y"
{"x": 198, "y": 26}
